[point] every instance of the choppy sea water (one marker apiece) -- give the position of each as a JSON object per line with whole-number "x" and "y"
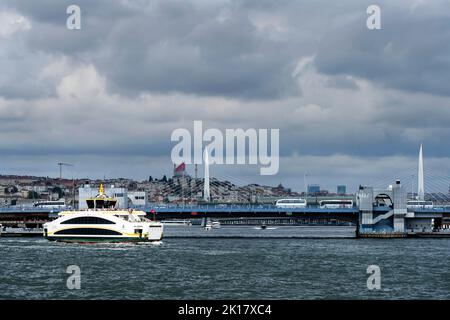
{"x": 264, "y": 266}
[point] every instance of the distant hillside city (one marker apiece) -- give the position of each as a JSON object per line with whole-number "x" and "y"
{"x": 181, "y": 188}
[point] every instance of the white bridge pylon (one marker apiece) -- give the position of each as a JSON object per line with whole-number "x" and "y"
{"x": 420, "y": 181}
{"x": 206, "y": 194}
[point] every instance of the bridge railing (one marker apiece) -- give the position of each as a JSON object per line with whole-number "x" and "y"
{"x": 212, "y": 206}
{"x": 25, "y": 209}
{"x": 244, "y": 208}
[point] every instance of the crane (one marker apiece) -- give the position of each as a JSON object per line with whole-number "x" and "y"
{"x": 61, "y": 164}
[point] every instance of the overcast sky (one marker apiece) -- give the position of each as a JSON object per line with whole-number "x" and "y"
{"x": 352, "y": 104}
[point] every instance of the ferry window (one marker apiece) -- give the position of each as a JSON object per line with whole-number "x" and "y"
{"x": 110, "y": 204}
{"x": 88, "y": 231}
{"x": 90, "y": 204}
{"x": 99, "y": 203}
{"x": 87, "y": 220}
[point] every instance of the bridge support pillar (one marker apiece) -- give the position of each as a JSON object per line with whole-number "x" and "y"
{"x": 381, "y": 212}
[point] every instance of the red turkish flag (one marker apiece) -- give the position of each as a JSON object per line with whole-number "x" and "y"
{"x": 181, "y": 167}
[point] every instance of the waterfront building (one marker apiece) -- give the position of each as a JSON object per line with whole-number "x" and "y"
{"x": 341, "y": 190}
{"x": 138, "y": 198}
{"x": 313, "y": 189}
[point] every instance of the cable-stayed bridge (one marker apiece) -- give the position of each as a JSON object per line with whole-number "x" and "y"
{"x": 379, "y": 210}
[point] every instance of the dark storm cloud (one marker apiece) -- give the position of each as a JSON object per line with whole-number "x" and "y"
{"x": 49, "y": 33}
{"x": 214, "y": 48}
{"x": 168, "y": 46}
{"x": 211, "y": 58}
{"x": 139, "y": 69}
{"x": 49, "y": 11}
{"x": 411, "y": 52}
{"x": 202, "y": 57}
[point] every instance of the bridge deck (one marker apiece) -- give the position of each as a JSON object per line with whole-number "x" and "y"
{"x": 256, "y": 209}
{"x": 247, "y": 209}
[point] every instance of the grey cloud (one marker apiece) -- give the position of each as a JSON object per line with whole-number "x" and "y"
{"x": 200, "y": 56}
{"x": 169, "y": 46}
{"x": 408, "y": 53}
{"x": 20, "y": 72}
{"x": 180, "y": 46}
{"x": 342, "y": 83}
{"x": 54, "y": 12}
{"x": 164, "y": 64}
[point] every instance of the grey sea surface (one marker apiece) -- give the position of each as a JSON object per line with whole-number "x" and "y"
{"x": 233, "y": 262}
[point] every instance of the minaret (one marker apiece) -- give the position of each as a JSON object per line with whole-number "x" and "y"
{"x": 420, "y": 182}
{"x": 206, "y": 195}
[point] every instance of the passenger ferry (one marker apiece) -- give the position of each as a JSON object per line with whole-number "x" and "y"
{"x": 102, "y": 222}
{"x": 336, "y": 204}
{"x": 291, "y": 203}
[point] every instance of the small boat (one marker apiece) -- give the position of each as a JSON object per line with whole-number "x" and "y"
{"x": 212, "y": 225}
{"x": 103, "y": 222}
{"x": 263, "y": 227}
{"x": 215, "y": 225}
